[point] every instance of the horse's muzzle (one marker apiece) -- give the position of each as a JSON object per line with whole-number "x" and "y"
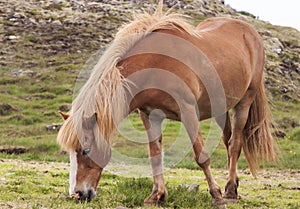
{"x": 84, "y": 196}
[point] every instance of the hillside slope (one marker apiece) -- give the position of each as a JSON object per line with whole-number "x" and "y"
{"x": 44, "y": 45}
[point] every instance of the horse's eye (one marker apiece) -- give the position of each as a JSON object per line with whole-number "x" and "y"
{"x": 86, "y": 151}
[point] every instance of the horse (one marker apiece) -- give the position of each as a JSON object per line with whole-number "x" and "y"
{"x": 162, "y": 66}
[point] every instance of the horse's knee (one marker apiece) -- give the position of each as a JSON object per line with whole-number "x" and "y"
{"x": 202, "y": 159}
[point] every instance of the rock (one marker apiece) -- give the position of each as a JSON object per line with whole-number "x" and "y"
{"x": 64, "y": 107}
{"x": 12, "y": 37}
{"x": 29, "y": 73}
{"x": 284, "y": 90}
{"x": 16, "y": 72}
{"x": 57, "y": 1}
{"x": 13, "y": 19}
{"x": 54, "y": 6}
{"x": 274, "y": 45}
{"x": 53, "y": 127}
{"x": 120, "y": 207}
{"x": 194, "y": 187}
{"x": 57, "y": 23}
{"x": 184, "y": 185}
{"x": 10, "y": 174}
{"x": 280, "y": 134}
{"x": 191, "y": 188}
{"x": 259, "y": 197}
{"x": 20, "y": 72}
{"x": 13, "y": 150}
{"x": 33, "y": 21}
{"x": 6, "y": 109}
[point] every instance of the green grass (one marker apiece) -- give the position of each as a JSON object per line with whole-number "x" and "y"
{"x": 45, "y": 185}
{"x": 36, "y": 179}
{"x": 35, "y": 102}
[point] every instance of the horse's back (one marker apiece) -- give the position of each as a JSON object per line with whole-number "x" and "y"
{"x": 230, "y": 35}
{"x": 231, "y": 38}
{"x": 219, "y": 61}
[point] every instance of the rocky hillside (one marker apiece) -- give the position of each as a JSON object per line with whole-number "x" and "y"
{"x": 46, "y": 43}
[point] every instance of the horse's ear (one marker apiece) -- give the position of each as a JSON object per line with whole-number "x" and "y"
{"x": 64, "y": 115}
{"x": 89, "y": 123}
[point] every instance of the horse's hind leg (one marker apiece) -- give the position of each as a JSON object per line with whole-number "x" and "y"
{"x": 224, "y": 122}
{"x": 239, "y": 120}
{"x": 152, "y": 124}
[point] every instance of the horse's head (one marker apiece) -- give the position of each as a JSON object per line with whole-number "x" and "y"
{"x": 84, "y": 176}
{"x": 84, "y": 172}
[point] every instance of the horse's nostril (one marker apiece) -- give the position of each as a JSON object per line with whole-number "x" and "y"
{"x": 84, "y": 196}
{"x": 90, "y": 195}
{"x": 80, "y": 194}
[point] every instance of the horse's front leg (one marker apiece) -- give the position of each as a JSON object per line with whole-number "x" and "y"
{"x": 202, "y": 158}
{"x": 152, "y": 124}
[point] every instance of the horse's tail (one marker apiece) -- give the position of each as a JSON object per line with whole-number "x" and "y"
{"x": 259, "y": 144}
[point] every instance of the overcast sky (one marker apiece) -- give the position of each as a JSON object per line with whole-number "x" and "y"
{"x": 278, "y": 12}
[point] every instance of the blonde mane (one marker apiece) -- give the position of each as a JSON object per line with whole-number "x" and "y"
{"x": 104, "y": 92}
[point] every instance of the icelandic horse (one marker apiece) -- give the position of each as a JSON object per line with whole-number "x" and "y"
{"x": 160, "y": 62}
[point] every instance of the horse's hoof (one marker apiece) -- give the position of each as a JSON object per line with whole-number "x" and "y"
{"x": 218, "y": 202}
{"x": 230, "y": 201}
{"x": 155, "y": 200}
{"x": 153, "y": 203}
{"x": 222, "y": 206}
{"x": 231, "y": 194}
{"x": 149, "y": 203}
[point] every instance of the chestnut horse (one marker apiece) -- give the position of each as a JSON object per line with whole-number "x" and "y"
{"x": 166, "y": 68}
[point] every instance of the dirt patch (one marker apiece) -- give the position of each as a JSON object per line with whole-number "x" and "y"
{"x": 13, "y": 150}
{"x": 6, "y": 109}
{"x": 37, "y": 165}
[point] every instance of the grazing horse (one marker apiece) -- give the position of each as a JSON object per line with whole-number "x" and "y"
{"x": 166, "y": 68}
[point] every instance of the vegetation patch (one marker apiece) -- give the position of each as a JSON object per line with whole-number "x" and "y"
{"x": 45, "y": 46}
{"x": 13, "y": 150}
{"x": 40, "y": 184}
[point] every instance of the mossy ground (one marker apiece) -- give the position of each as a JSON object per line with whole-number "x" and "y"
{"x": 31, "y": 184}
{"x": 38, "y": 72}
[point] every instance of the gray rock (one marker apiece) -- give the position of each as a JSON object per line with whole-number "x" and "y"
{"x": 194, "y": 187}
{"x": 53, "y": 127}
{"x": 120, "y": 207}
{"x": 274, "y": 45}
{"x": 57, "y": 23}
{"x": 184, "y": 185}
{"x": 16, "y": 72}
{"x": 20, "y": 72}
{"x": 13, "y": 19}
{"x": 12, "y": 37}
{"x": 191, "y": 188}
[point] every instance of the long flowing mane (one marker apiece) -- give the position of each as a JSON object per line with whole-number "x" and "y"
{"x": 104, "y": 92}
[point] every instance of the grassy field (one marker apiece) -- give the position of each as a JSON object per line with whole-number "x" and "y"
{"x": 32, "y": 184}
{"x": 38, "y": 72}
{"x": 39, "y": 177}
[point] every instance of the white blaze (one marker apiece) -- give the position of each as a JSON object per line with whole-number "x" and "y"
{"x": 73, "y": 171}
